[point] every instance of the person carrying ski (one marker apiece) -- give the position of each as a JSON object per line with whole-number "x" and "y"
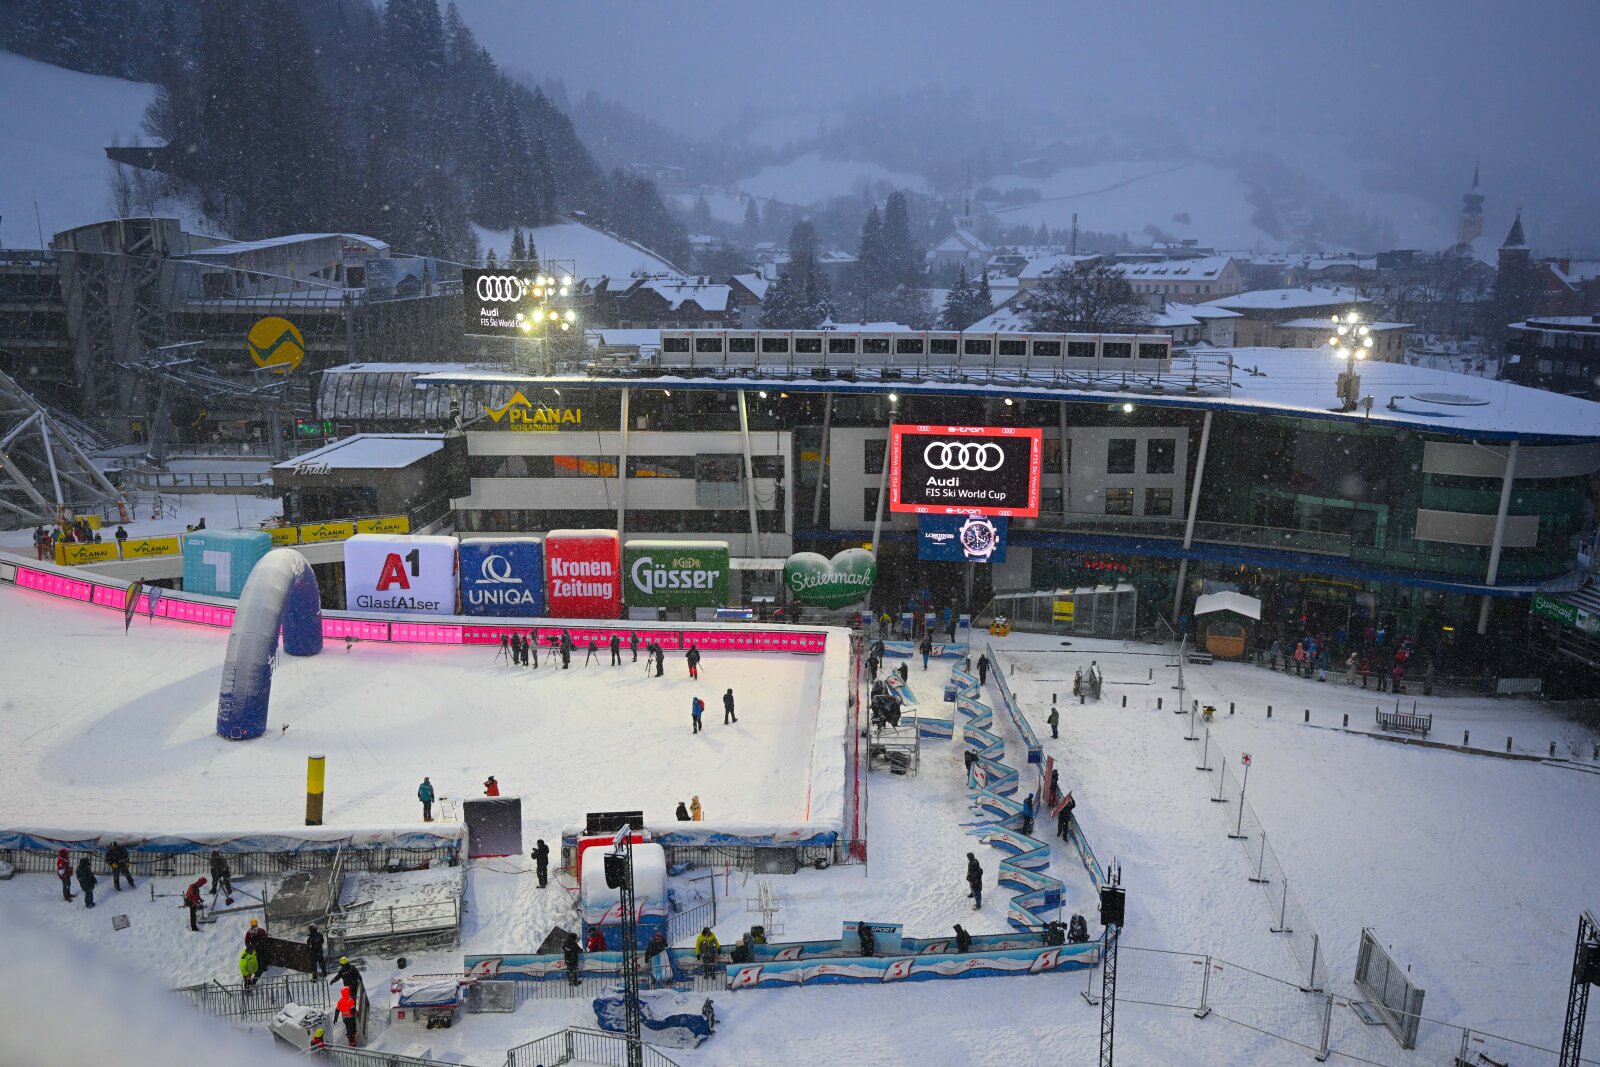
{"x": 1054, "y": 719}
{"x": 249, "y": 966}
{"x": 693, "y": 658}
{"x": 1064, "y": 819}
{"x": 696, "y": 812}
{"x": 314, "y": 950}
{"x": 707, "y": 948}
{"x": 346, "y": 1010}
{"x": 926, "y": 648}
{"x": 425, "y": 794}
{"x": 569, "y": 953}
{"x": 616, "y": 649}
{"x": 541, "y": 862}
{"x": 983, "y": 670}
{"x": 633, "y": 645}
{"x": 64, "y": 872}
{"x": 727, "y": 708}
{"x": 192, "y": 901}
{"x": 491, "y": 788}
{"x": 255, "y": 937}
{"x": 975, "y": 881}
{"x": 87, "y": 881}
{"x": 117, "y": 860}
{"x": 697, "y": 708}
{"x": 682, "y": 812}
{"x": 221, "y": 878}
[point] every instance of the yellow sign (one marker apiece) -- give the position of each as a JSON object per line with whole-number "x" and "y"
{"x": 276, "y": 344}
{"x": 393, "y": 524}
{"x": 284, "y": 535}
{"x": 71, "y": 553}
{"x": 519, "y": 413}
{"x": 326, "y": 531}
{"x": 92, "y": 520}
{"x": 145, "y": 547}
{"x": 1061, "y": 610}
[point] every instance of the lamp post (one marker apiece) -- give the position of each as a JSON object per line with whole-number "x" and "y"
{"x": 1351, "y": 341}
{"x": 553, "y": 312}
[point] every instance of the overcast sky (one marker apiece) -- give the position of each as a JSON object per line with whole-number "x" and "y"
{"x": 1448, "y": 79}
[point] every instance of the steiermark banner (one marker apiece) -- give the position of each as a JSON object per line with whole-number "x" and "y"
{"x": 1566, "y": 614}
{"x": 675, "y": 574}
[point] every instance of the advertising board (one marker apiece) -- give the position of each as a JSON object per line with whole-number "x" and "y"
{"x": 583, "y": 574}
{"x": 965, "y": 470}
{"x": 503, "y": 577}
{"x": 961, "y": 539}
{"x": 400, "y": 575}
{"x": 217, "y": 562}
{"x": 496, "y": 301}
{"x": 675, "y": 573}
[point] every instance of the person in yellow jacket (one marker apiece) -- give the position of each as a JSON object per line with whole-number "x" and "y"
{"x": 249, "y": 966}
{"x": 709, "y": 949}
{"x": 696, "y": 812}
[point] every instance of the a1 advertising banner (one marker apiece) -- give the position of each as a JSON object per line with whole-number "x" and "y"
{"x": 583, "y": 574}
{"x": 965, "y": 470}
{"x": 399, "y": 575}
{"x": 961, "y": 539}
{"x": 675, "y": 573}
{"x": 503, "y": 577}
{"x": 496, "y": 300}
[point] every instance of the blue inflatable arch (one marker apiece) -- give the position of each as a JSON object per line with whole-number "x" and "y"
{"x": 281, "y": 592}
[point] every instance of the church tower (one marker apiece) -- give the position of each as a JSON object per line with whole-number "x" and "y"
{"x": 1471, "y": 222}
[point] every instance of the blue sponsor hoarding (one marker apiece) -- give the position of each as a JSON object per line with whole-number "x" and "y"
{"x": 219, "y": 562}
{"x": 503, "y": 577}
{"x": 961, "y": 539}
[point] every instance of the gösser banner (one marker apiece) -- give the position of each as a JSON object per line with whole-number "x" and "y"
{"x": 676, "y": 573}
{"x": 965, "y": 470}
{"x": 401, "y": 575}
{"x": 503, "y": 577}
{"x": 584, "y": 574}
{"x": 961, "y": 538}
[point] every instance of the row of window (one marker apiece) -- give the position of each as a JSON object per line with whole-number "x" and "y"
{"x": 675, "y": 521}
{"x": 1156, "y": 501}
{"x": 913, "y": 346}
{"x": 1566, "y": 368}
{"x": 707, "y": 467}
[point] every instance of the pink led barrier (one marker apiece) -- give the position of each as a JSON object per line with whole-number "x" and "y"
{"x": 54, "y": 584}
{"x": 359, "y": 629}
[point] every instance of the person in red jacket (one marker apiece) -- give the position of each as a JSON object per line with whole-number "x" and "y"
{"x": 64, "y": 872}
{"x": 597, "y": 940}
{"x": 192, "y": 901}
{"x": 347, "y": 1011}
{"x": 491, "y": 788}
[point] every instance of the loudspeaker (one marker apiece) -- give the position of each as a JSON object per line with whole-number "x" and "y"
{"x": 616, "y": 870}
{"x": 1589, "y": 964}
{"x": 1112, "y": 902}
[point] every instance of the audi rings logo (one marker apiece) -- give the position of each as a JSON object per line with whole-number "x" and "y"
{"x": 496, "y": 570}
{"x": 501, "y": 288}
{"x": 963, "y": 456}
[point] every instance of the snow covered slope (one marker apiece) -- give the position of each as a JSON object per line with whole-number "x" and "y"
{"x": 586, "y": 250}
{"x": 54, "y": 128}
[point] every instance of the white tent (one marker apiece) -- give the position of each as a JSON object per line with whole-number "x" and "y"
{"x": 1238, "y": 603}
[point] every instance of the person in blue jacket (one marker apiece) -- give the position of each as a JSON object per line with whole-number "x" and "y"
{"x": 697, "y": 709}
{"x": 1027, "y": 814}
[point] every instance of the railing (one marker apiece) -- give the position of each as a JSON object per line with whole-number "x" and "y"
{"x": 260, "y": 1001}
{"x": 146, "y": 479}
{"x": 687, "y": 924}
{"x": 407, "y": 921}
{"x": 147, "y": 864}
{"x": 589, "y": 1046}
{"x": 365, "y": 1057}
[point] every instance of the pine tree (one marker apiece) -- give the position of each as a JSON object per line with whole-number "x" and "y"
{"x": 801, "y": 298}
{"x": 902, "y": 257}
{"x": 982, "y": 299}
{"x": 519, "y": 249}
{"x": 531, "y": 257}
{"x": 490, "y": 261}
{"x": 752, "y": 218}
{"x": 958, "y": 304}
{"x": 872, "y": 273}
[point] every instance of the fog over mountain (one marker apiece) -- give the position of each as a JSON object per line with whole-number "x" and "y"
{"x": 1387, "y": 106}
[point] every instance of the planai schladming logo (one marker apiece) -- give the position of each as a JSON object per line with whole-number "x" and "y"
{"x": 276, "y": 344}
{"x": 519, "y": 413}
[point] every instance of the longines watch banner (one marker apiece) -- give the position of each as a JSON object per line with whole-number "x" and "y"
{"x": 965, "y": 470}
{"x": 961, "y": 539}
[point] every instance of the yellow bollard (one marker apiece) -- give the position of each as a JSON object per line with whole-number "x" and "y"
{"x": 315, "y": 766}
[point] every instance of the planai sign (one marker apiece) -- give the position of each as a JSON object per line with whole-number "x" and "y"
{"x": 845, "y": 579}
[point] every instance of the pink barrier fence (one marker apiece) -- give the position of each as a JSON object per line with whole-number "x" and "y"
{"x": 171, "y": 605}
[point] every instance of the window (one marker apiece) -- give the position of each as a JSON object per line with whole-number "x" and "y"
{"x": 1080, "y": 349}
{"x": 875, "y": 346}
{"x": 1047, "y": 349}
{"x": 977, "y": 347}
{"x": 908, "y": 346}
{"x": 1119, "y": 501}
{"x": 842, "y": 346}
{"x": 869, "y": 504}
{"x": 767, "y": 466}
{"x": 1050, "y": 500}
{"x": 1116, "y": 350}
{"x": 1158, "y": 501}
{"x": 874, "y": 455}
{"x": 808, "y": 346}
{"x": 1052, "y": 455}
{"x": 1119, "y": 455}
{"x": 741, "y": 344}
{"x": 942, "y": 346}
{"x": 775, "y": 346}
{"x": 1010, "y": 347}
{"x": 708, "y": 344}
{"x": 584, "y": 466}
{"x": 675, "y": 344}
{"x": 719, "y": 478}
{"x": 1157, "y": 351}
{"x": 1159, "y": 455}
{"x": 661, "y": 466}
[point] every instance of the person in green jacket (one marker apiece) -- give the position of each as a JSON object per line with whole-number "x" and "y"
{"x": 1054, "y": 719}
{"x": 249, "y": 966}
{"x": 425, "y": 794}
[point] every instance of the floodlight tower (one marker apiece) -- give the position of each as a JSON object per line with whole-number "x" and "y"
{"x": 554, "y": 312}
{"x": 1351, "y": 341}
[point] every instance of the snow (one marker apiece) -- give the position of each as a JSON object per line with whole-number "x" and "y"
{"x": 1238, "y": 603}
{"x": 222, "y": 511}
{"x": 586, "y": 251}
{"x": 135, "y": 748}
{"x": 370, "y": 451}
{"x": 54, "y": 131}
{"x": 810, "y": 179}
{"x": 234, "y": 248}
{"x": 1286, "y": 299}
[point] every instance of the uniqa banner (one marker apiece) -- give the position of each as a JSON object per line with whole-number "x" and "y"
{"x": 502, "y": 577}
{"x": 845, "y": 579}
{"x": 675, "y": 574}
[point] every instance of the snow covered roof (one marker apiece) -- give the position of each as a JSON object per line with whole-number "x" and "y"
{"x": 711, "y": 296}
{"x": 1548, "y": 322}
{"x": 237, "y": 247}
{"x": 370, "y": 451}
{"x": 1205, "y": 268}
{"x": 628, "y": 338}
{"x": 755, "y": 283}
{"x": 1208, "y": 311}
{"x": 1172, "y": 315}
{"x": 1285, "y": 299}
{"x": 1315, "y": 323}
{"x": 1007, "y": 319}
{"x": 592, "y": 252}
{"x": 865, "y": 327}
{"x": 1576, "y": 271}
{"x": 961, "y": 241}
{"x": 1038, "y": 268}
{"x": 1238, "y": 603}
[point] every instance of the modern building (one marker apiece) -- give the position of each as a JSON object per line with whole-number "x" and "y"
{"x": 1560, "y": 353}
{"x": 1438, "y": 512}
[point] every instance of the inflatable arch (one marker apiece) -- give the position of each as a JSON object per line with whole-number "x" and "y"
{"x": 281, "y": 592}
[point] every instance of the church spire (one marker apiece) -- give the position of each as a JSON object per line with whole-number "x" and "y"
{"x": 1470, "y": 225}
{"x": 1515, "y": 238}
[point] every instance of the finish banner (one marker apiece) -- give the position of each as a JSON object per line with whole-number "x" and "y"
{"x": 503, "y": 577}
{"x": 965, "y": 470}
{"x": 961, "y": 539}
{"x": 676, "y": 573}
{"x": 583, "y": 574}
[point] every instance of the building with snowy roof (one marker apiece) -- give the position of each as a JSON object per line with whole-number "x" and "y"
{"x": 1560, "y": 353}
{"x": 664, "y": 302}
{"x": 1206, "y": 277}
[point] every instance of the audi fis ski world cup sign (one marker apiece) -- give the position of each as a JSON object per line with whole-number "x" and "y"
{"x": 965, "y": 470}
{"x": 494, "y": 298}
{"x": 503, "y": 577}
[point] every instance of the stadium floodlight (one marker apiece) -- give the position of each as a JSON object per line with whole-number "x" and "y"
{"x": 1350, "y": 341}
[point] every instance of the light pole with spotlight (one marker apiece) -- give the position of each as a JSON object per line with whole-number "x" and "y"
{"x": 1351, "y": 341}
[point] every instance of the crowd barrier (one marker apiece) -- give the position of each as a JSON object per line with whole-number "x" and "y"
{"x": 75, "y": 553}
{"x": 881, "y": 970}
{"x": 909, "y": 650}
{"x": 1013, "y": 710}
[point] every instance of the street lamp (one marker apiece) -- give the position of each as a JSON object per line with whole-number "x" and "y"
{"x": 1351, "y": 341}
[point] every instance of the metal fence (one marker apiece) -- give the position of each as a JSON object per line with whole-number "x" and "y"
{"x": 1397, "y": 999}
{"x": 1288, "y": 916}
{"x": 260, "y": 1001}
{"x": 365, "y": 1057}
{"x": 589, "y": 1046}
{"x": 260, "y": 480}
{"x": 148, "y": 864}
{"x": 686, "y": 924}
